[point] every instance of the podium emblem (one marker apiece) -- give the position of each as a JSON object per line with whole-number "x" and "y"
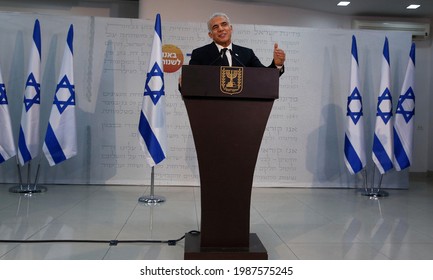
{"x": 231, "y": 79}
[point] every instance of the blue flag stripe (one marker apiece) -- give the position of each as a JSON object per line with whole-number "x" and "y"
{"x": 351, "y": 155}
{"x": 151, "y": 140}
{"x": 400, "y": 153}
{"x": 412, "y": 53}
{"x": 53, "y": 145}
{"x": 386, "y": 50}
{"x": 37, "y": 37}
{"x": 381, "y": 155}
{"x": 354, "y": 49}
{"x": 70, "y": 38}
{"x": 158, "y": 28}
{"x": 25, "y": 153}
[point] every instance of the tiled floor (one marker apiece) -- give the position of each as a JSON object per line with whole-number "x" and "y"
{"x": 292, "y": 223}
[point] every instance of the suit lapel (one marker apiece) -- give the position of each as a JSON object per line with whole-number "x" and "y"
{"x": 213, "y": 53}
{"x": 235, "y": 60}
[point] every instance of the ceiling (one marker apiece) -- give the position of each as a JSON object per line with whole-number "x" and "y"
{"x": 382, "y": 8}
{"x": 391, "y": 8}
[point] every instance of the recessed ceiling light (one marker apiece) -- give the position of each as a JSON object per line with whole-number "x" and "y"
{"x": 343, "y": 3}
{"x": 413, "y": 7}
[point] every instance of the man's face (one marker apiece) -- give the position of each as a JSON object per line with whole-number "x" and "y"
{"x": 221, "y": 31}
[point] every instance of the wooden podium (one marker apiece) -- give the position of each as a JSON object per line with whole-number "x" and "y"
{"x": 228, "y": 109}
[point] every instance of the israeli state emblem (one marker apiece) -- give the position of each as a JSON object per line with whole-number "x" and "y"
{"x": 231, "y": 80}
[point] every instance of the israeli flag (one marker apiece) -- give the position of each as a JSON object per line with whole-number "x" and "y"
{"x": 7, "y": 146}
{"x": 152, "y": 128}
{"x": 404, "y": 114}
{"x": 354, "y": 147}
{"x": 61, "y": 137}
{"x": 382, "y": 142}
{"x": 28, "y": 141}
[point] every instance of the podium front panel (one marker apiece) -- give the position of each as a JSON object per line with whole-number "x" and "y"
{"x": 227, "y": 129}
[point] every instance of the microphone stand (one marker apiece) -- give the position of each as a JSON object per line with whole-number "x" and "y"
{"x": 234, "y": 55}
{"x": 220, "y": 56}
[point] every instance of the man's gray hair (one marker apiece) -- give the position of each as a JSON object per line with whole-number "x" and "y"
{"x": 217, "y": 15}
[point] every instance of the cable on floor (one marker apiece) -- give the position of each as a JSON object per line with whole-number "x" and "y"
{"x": 171, "y": 242}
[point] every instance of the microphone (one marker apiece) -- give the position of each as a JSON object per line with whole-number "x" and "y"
{"x": 220, "y": 56}
{"x": 234, "y": 55}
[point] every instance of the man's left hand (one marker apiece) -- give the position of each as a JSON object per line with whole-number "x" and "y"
{"x": 279, "y": 55}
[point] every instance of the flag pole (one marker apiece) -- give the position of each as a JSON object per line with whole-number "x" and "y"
{"x": 37, "y": 176}
{"x": 29, "y": 131}
{"x": 364, "y": 175}
{"x": 20, "y": 187}
{"x": 354, "y": 150}
{"x": 36, "y": 188}
{"x": 152, "y": 198}
{"x": 380, "y": 192}
{"x": 151, "y": 125}
{"x": 382, "y": 152}
{"x": 20, "y": 177}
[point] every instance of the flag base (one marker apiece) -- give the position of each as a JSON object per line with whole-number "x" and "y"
{"x": 152, "y": 199}
{"x": 380, "y": 193}
{"x": 27, "y": 189}
{"x": 376, "y": 194}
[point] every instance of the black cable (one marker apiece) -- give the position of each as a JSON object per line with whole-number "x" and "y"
{"x": 110, "y": 242}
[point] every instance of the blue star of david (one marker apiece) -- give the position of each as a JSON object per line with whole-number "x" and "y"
{"x": 409, "y": 95}
{"x": 384, "y": 97}
{"x": 62, "y": 104}
{"x": 31, "y": 82}
{"x": 154, "y": 95}
{"x": 355, "y": 96}
{"x": 3, "y": 96}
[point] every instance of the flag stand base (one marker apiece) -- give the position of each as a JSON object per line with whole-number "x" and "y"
{"x": 27, "y": 189}
{"x": 366, "y": 193}
{"x": 152, "y": 199}
{"x": 374, "y": 194}
{"x": 379, "y": 193}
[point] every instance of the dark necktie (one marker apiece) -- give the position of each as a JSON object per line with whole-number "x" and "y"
{"x": 225, "y": 61}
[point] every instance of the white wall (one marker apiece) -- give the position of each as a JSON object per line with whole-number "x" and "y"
{"x": 243, "y": 13}
{"x": 126, "y": 9}
{"x": 303, "y": 142}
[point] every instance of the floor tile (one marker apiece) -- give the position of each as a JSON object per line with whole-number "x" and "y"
{"x": 292, "y": 223}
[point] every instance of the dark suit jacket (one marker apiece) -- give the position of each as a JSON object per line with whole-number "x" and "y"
{"x": 241, "y": 56}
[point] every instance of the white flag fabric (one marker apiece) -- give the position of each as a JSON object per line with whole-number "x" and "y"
{"x": 28, "y": 141}
{"x": 7, "y": 143}
{"x": 383, "y": 143}
{"x": 404, "y": 114}
{"x": 354, "y": 147}
{"x": 61, "y": 137}
{"x": 152, "y": 127}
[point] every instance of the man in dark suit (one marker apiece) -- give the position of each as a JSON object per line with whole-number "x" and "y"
{"x": 220, "y": 31}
